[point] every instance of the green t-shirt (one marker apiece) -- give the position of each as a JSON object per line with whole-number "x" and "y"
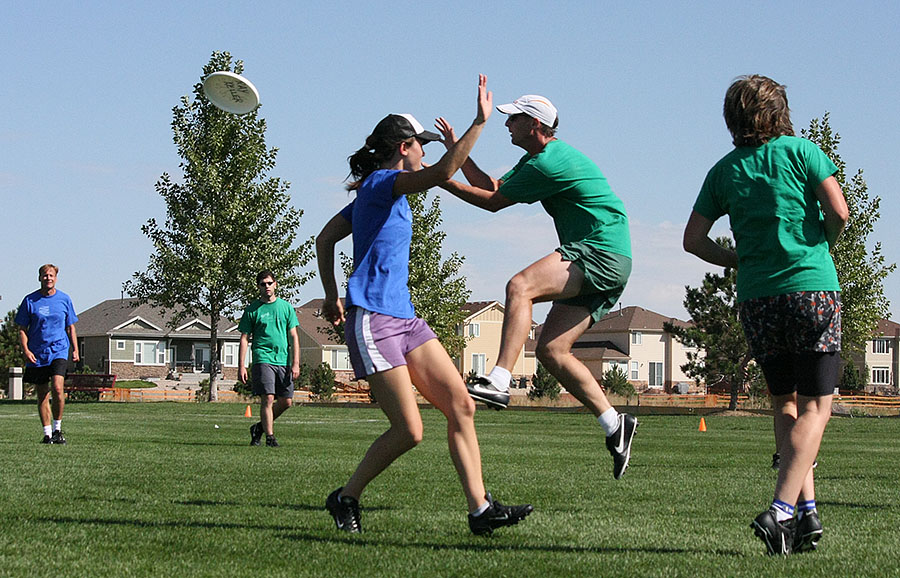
{"x": 268, "y": 324}
{"x": 575, "y": 193}
{"x": 769, "y": 195}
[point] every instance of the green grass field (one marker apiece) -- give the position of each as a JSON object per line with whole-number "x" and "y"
{"x": 156, "y": 490}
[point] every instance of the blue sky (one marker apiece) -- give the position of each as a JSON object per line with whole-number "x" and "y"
{"x": 89, "y": 89}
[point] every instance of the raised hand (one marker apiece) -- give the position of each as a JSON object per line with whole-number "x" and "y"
{"x": 446, "y": 130}
{"x": 485, "y": 100}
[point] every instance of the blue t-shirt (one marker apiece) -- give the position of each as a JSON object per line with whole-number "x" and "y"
{"x": 382, "y": 232}
{"x": 45, "y": 319}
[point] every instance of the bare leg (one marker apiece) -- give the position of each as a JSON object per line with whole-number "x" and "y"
{"x": 281, "y": 405}
{"x": 435, "y": 376}
{"x": 43, "y": 404}
{"x": 564, "y": 325}
{"x": 785, "y": 416}
{"x": 548, "y": 279}
{"x": 801, "y": 445}
{"x": 59, "y": 396}
{"x": 265, "y": 413}
{"x": 395, "y": 395}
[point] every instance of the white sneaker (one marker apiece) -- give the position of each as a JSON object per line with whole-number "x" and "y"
{"x": 483, "y": 389}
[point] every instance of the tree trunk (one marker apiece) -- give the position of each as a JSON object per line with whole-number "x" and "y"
{"x": 214, "y": 357}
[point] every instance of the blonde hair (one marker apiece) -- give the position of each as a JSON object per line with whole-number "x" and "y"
{"x": 44, "y": 268}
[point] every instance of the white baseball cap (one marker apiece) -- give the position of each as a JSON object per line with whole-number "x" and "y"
{"x": 533, "y": 105}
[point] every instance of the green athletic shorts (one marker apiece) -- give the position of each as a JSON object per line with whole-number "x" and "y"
{"x": 605, "y": 276}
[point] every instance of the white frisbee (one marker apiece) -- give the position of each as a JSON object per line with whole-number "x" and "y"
{"x": 231, "y": 92}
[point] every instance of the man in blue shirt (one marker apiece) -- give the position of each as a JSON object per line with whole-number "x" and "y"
{"x": 46, "y": 320}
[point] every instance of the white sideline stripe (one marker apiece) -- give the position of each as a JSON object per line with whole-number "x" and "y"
{"x": 371, "y": 357}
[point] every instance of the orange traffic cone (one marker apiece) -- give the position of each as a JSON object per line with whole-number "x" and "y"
{"x": 702, "y": 423}
{"x": 247, "y": 412}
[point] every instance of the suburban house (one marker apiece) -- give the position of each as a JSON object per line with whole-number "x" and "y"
{"x": 633, "y": 339}
{"x": 882, "y": 358}
{"x": 482, "y": 328}
{"x": 133, "y": 341}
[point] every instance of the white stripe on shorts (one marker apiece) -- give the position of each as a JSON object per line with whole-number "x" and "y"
{"x": 371, "y": 357}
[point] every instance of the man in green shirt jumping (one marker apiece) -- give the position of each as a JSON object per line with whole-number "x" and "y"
{"x": 584, "y": 277}
{"x": 269, "y": 322}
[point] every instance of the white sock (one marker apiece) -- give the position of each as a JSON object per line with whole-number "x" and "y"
{"x": 500, "y": 378}
{"x": 609, "y": 420}
{"x": 481, "y": 509}
{"x": 57, "y": 424}
{"x": 47, "y": 430}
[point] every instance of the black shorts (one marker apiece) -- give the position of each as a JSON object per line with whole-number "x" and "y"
{"x": 796, "y": 338}
{"x": 42, "y": 375}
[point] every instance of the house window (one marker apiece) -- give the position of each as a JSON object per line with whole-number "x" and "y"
{"x": 340, "y": 359}
{"x": 120, "y": 345}
{"x": 474, "y": 329}
{"x": 634, "y": 369}
{"x": 230, "y": 354}
{"x": 636, "y": 337}
{"x": 881, "y": 376}
{"x": 880, "y": 346}
{"x": 656, "y": 374}
{"x": 478, "y": 363}
{"x": 149, "y": 353}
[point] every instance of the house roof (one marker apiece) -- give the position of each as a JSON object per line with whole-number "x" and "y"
{"x": 313, "y": 324}
{"x": 633, "y": 318}
{"x": 598, "y": 350}
{"x": 125, "y": 317}
{"x": 887, "y": 328}
{"x": 473, "y": 308}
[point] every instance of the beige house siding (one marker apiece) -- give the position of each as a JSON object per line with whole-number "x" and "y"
{"x": 882, "y": 358}
{"x": 486, "y": 324}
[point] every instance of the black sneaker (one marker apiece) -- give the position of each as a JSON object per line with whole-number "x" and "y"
{"x": 345, "y": 511}
{"x": 483, "y": 389}
{"x": 497, "y": 515}
{"x": 271, "y": 442}
{"x": 47, "y": 440}
{"x": 256, "y": 432}
{"x": 807, "y": 533}
{"x": 619, "y": 443}
{"x": 778, "y": 536}
{"x": 57, "y": 437}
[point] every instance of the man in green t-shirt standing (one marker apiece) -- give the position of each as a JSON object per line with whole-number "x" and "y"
{"x": 584, "y": 277}
{"x": 269, "y": 321}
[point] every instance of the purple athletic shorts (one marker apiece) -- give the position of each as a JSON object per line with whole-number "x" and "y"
{"x": 380, "y": 342}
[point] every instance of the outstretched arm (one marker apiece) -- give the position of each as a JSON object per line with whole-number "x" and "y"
{"x": 473, "y": 173}
{"x": 335, "y": 230}
{"x": 453, "y": 159}
{"x": 489, "y": 200}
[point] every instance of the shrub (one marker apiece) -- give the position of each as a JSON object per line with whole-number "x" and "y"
{"x": 616, "y": 382}
{"x": 543, "y": 384}
{"x": 321, "y": 382}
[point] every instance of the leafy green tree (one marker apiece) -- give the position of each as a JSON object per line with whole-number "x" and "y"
{"x": 437, "y": 290}
{"x": 861, "y": 272}
{"x": 10, "y": 353}
{"x": 616, "y": 382}
{"x": 722, "y": 356}
{"x": 226, "y": 220}
{"x": 543, "y": 384}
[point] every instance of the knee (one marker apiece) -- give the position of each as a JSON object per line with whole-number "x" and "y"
{"x": 517, "y": 287}
{"x": 410, "y": 436}
{"x": 549, "y": 354}
{"x": 287, "y": 402}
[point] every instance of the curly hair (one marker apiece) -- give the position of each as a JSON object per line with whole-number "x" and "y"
{"x": 756, "y": 111}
